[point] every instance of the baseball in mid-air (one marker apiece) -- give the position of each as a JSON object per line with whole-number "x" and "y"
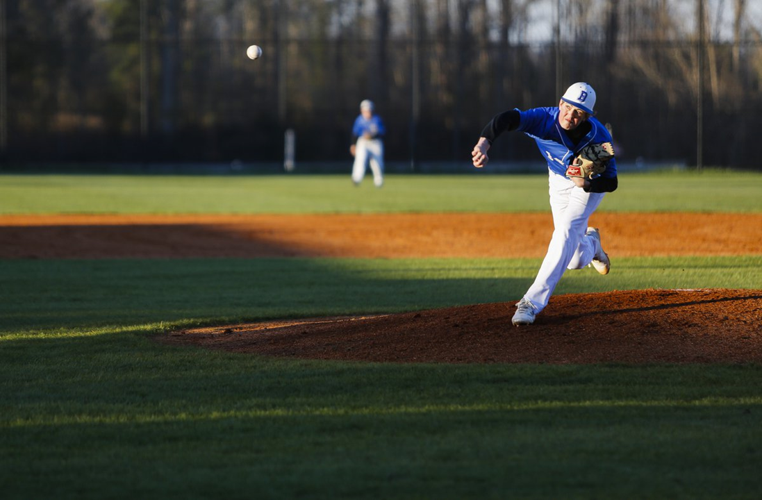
{"x": 254, "y": 52}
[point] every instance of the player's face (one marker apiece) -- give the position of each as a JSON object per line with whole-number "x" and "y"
{"x": 570, "y": 117}
{"x": 366, "y": 113}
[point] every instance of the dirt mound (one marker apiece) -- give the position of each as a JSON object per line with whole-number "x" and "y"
{"x": 639, "y": 326}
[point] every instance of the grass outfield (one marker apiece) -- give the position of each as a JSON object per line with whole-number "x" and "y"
{"x": 91, "y": 407}
{"x": 710, "y": 191}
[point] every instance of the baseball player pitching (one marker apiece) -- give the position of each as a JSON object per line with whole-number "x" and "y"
{"x": 581, "y": 169}
{"x": 367, "y": 146}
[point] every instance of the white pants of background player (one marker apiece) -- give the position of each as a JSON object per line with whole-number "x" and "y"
{"x": 369, "y": 151}
{"x": 569, "y": 247}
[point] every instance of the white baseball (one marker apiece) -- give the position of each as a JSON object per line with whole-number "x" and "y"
{"x": 254, "y": 52}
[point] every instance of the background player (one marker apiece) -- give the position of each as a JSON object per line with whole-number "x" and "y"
{"x": 367, "y": 146}
{"x": 560, "y": 132}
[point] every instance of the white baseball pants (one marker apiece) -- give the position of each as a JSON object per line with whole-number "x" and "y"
{"x": 369, "y": 151}
{"x": 569, "y": 247}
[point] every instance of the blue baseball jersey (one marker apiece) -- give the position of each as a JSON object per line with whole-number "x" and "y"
{"x": 541, "y": 124}
{"x": 374, "y": 126}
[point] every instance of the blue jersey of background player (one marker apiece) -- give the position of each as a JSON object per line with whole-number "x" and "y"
{"x": 560, "y": 133}
{"x": 368, "y": 125}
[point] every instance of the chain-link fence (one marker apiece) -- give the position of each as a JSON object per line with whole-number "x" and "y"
{"x": 86, "y": 99}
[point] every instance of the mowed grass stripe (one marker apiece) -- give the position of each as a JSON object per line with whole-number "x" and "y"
{"x": 741, "y": 404}
{"x": 478, "y": 191}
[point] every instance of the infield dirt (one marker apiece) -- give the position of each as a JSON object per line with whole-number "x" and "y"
{"x": 372, "y": 235}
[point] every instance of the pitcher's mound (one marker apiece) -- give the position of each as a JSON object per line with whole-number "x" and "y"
{"x": 638, "y": 326}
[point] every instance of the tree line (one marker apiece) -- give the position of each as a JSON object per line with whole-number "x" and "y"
{"x": 168, "y": 80}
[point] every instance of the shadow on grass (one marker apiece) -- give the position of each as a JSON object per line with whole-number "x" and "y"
{"x": 49, "y": 294}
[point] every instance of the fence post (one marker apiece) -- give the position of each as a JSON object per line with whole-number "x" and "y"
{"x": 145, "y": 66}
{"x": 289, "y": 149}
{"x": 3, "y": 82}
{"x": 700, "y": 90}
{"x": 414, "y": 83}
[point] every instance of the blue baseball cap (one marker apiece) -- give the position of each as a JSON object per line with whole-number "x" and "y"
{"x": 581, "y": 95}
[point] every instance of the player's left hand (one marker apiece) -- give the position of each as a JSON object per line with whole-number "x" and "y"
{"x": 591, "y": 160}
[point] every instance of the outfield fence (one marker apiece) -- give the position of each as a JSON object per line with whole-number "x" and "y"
{"x": 144, "y": 98}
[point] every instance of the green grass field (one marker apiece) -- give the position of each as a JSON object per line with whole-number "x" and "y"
{"x": 92, "y": 407}
{"x": 707, "y": 191}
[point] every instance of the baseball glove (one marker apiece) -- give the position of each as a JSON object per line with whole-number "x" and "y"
{"x": 591, "y": 160}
